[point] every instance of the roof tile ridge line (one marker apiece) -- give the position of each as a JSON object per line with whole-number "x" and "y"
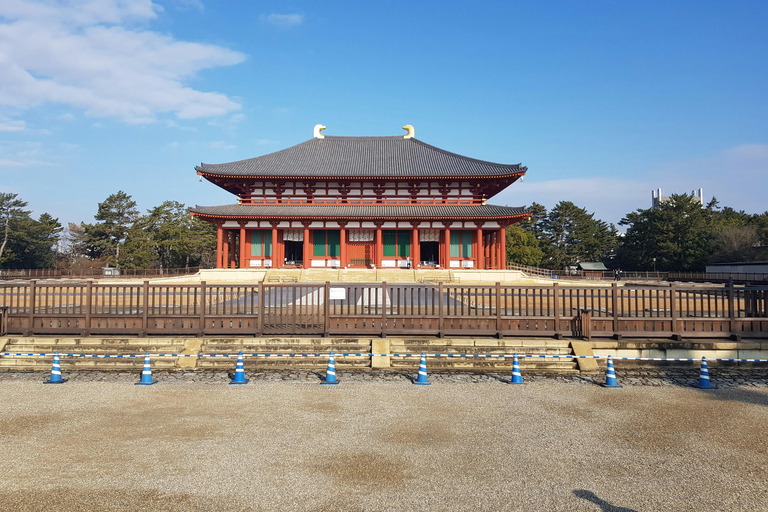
{"x": 463, "y": 157}
{"x": 522, "y": 209}
{"x": 199, "y": 168}
{"x": 360, "y": 137}
{"x": 376, "y": 216}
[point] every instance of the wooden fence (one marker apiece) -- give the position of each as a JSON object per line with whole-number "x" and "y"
{"x": 384, "y": 309}
{"x": 720, "y": 277}
{"x": 56, "y": 273}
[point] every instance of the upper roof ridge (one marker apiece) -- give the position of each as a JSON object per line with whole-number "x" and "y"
{"x": 389, "y": 156}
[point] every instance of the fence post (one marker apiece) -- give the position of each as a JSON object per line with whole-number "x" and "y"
{"x": 4, "y": 320}
{"x": 615, "y": 307}
{"x": 440, "y": 313}
{"x": 88, "y": 306}
{"x": 499, "y": 334}
{"x": 32, "y": 300}
{"x": 327, "y": 308}
{"x": 674, "y": 311}
{"x": 383, "y": 309}
{"x": 262, "y": 310}
{"x": 732, "y": 311}
{"x": 586, "y": 324}
{"x": 144, "y": 309}
{"x": 201, "y": 327}
{"x": 556, "y": 291}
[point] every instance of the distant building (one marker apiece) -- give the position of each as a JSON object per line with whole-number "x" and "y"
{"x": 657, "y": 198}
{"x": 739, "y": 267}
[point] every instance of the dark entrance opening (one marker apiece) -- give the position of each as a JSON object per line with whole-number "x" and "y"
{"x": 294, "y": 253}
{"x": 430, "y": 253}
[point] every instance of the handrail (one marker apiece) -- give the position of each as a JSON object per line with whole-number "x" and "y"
{"x": 43, "y": 307}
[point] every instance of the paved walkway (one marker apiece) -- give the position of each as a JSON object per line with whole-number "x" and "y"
{"x": 376, "y": 442}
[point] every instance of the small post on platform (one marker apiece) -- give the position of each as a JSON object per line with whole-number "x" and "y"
{"x": 499, "y": 325}
{"x": 615, "y": 308}
{"x": 88, "y": 306}
{"x": 32, "y": 300}
{"x": 440, "y": 313}
{"x": 383, "y": 309}
{"x": 261, "y": 310}
{"x": 201, "y": 327}
{"x": 145, "y": 310}
{"x": 674, "y": 311}
{"x": 326, "y": 308}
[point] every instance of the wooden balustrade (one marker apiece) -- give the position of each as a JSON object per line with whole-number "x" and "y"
{"x": 384, "y": 309}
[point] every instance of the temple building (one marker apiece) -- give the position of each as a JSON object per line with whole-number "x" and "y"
{"x": 361, "y": 202}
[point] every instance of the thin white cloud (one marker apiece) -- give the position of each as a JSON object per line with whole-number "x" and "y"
{"x": 189, "y": 4}
{"x": 284, "y": 20}
{"x": 93, "y": 56}
{"x": 24, "y": 154}
{"x": 737, "y": 177}
{"x": 219, "y": 144}
{"x": 12, "y": 126}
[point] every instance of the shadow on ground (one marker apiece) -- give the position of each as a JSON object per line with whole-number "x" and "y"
{"x": 604, "y": 505}
{"x": 739, "y": 394}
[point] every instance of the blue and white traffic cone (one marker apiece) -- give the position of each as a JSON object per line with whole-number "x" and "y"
{"x": 610, "y": 376}
{"x": 517, "y": 377}
{"x": 330, "y": 373}
{"x": 55, "y": 372}
{"x": 239, "y": 371}
{"x": 704, "y": 382}
{"x": 422, "y": 379}
{"x": 146, "y": 373}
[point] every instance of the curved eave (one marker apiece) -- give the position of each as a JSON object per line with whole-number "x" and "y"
{"x": 354, "y": 213}
{"x": 210, "y": 175}
{"x": 327, "y": 217}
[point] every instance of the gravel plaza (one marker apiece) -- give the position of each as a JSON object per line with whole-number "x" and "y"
{"x": 376, "y": 442}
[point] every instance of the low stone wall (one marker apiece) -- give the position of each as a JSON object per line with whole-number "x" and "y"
{"x": 468, "y": 346}
{"x": 711, "y": 349}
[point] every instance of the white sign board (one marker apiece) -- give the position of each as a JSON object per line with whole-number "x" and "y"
{"x": 337, "y": 293}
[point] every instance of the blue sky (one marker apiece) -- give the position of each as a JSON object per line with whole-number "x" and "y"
{"x": 603, "y": 101}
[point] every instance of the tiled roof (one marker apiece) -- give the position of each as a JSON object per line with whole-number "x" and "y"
{"x": 361, "y": 157}
{"x": 415, "y": 211}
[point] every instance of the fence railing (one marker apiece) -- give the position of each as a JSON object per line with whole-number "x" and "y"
{"x": 599, "y": 275}
{"x": 720, "y": 277}
{"x": 53, "y": 273}
{"x": 383, "y": 309}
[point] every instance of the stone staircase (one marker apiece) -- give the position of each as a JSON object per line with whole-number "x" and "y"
{"x": 487, "y": 346}
{"x": 88, "y": 346}
{"x": 286, "y": 346}
{"x": 359, "y": 275}
{"x": 115, "y": 346}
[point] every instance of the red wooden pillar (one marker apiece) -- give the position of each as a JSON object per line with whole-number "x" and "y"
{"x": 307, "y": 247}
{"x": 219, "y": 247}
{"x": 379, "y": 252}
{"x": 479, "y": 253}
{"x": 343, "y": 244}
{"x": 225, "y": 251}
{"x": 502, "y": 248}
{"x": 276, "y": 262}
{"x": 415, "y": 249}
{"x": 232, "y": 262}
{"x": 446, "y": 249}
{"x": 493, "y": 250}
{"x": 243, "y": 246}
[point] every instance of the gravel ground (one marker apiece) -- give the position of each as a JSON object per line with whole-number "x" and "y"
{"x": 376, "y": 442}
